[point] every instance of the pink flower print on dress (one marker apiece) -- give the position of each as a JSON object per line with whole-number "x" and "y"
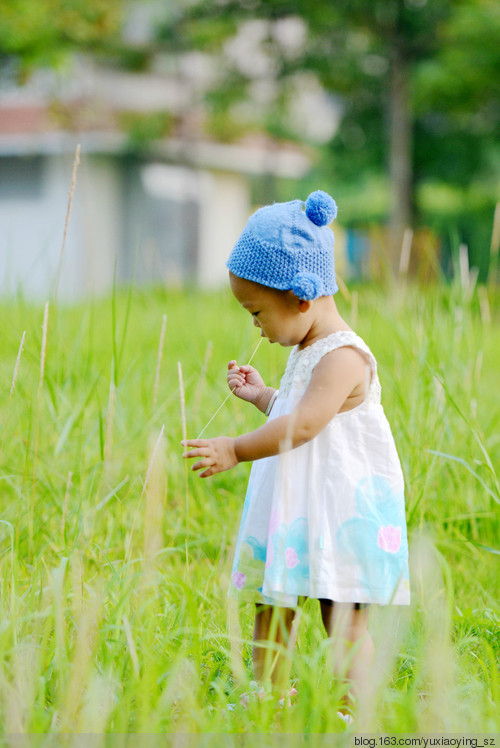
{"x": 389, "y": 538}
{"x": 288, "y": 552}
{"x": 239, "y": 579}
{"x": 291, "y": 558}
{"x": 380, "y": 528}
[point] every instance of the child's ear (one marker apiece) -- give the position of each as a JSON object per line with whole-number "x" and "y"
{"x": 304, "y": 305}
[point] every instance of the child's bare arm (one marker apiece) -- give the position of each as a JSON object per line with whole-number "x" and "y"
{"x": 335, "y": 377}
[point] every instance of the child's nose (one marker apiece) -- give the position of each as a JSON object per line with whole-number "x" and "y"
{"x": 256, "y": 322}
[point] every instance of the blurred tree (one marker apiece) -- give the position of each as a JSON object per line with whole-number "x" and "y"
{"x": 38, "y": 33}
{"x": 418, "y": 79}
{"x": 457, "y": 97}
{"x": 415, "y": 82}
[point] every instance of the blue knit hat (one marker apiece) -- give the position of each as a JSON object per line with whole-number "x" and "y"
{"x": 286, "y": 247}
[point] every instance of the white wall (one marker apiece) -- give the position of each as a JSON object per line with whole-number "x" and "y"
{"x": 100, "y": 223}
{"x": 32, "y": 227}
{"x": 225, "y": 208}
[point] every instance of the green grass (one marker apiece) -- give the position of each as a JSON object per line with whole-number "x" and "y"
{"x": 114, "y": 615}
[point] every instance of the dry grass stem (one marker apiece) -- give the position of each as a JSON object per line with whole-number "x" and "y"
{"x": 155, "y": 500}
{"x": 99, "y": 701}
{"x": 468, "y": 275}
{"x": 463, "y": 259}
{"x": 152, "y": 460}
{"x": 81, "y": 664}
{"x": 158, "y": 360}
{"x": 21, "y": 694}
{"x": 76, "y": 163}
{"x": 229, "y": 394}
{"x": 484, "y": 305}
{"x": 212, "y": 418}
{"x": 436, "y": 666}
{"x": 16, "y": 367}
{"x": 404, "y": 258}
{"x": 131, "y": 647}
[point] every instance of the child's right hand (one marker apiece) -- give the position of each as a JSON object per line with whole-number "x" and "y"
{"x": 245, "y": 382}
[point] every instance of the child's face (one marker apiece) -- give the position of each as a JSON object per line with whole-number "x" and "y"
{"x": 279, "y": 314}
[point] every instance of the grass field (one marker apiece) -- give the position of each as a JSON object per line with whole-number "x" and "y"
{"x": 115, "y": 558}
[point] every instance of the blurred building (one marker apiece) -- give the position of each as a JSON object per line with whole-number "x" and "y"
{"x": 167, "y": 216}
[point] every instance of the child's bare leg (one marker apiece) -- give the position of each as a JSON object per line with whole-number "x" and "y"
{"x": 273, "y": 626}
{"x": 348, "y": 628}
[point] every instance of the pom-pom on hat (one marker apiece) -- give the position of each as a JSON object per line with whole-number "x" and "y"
{"x": 289, "y": 246}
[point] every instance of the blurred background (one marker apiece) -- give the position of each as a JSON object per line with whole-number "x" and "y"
{"x": 192, "y": 114}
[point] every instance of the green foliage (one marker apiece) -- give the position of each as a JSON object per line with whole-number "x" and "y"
{"x": 449, "y": 53}
{"x": 105, "y": 631}
{"x": 143, "y": 129}
{"x": 43, "y": 32}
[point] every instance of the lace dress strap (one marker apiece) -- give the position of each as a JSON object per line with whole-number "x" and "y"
{"x": 302, "y": 362}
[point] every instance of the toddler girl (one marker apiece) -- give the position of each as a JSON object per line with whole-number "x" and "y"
{"x": 324, "y": 511}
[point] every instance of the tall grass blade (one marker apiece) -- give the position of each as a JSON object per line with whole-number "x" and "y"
{"x": 66, "y": 503}
{"x": 155, "y": 500}
{"x": 474, "y": 433}
{"x": 43, "y": 354}
{"x": 110, "y": 420}
{"x": 158, "y": 360}
{"x": 12, "y": 386}
{"x": 151, "y": 463}
{"x": 462, "y": 461}
{"x": 494, "y": 248}
{"x": 184, "y": 433}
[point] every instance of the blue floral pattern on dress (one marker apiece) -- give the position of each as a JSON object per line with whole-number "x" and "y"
{"x": 376, "y": 539}
{"x": 287, "y": 564}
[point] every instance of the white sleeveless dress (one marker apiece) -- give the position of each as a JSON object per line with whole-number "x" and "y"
{"x": 326, "y": 519}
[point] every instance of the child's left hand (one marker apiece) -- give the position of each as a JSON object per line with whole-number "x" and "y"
{"x": 218, "y": 454}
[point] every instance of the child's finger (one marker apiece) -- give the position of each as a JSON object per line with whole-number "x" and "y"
{"x": 207, "y": 473}
{"x": 194, "y": 443}
{"x": 206, "y": 463}
{"x": 195, "y": 453}
{"x": 232, "y": 365}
